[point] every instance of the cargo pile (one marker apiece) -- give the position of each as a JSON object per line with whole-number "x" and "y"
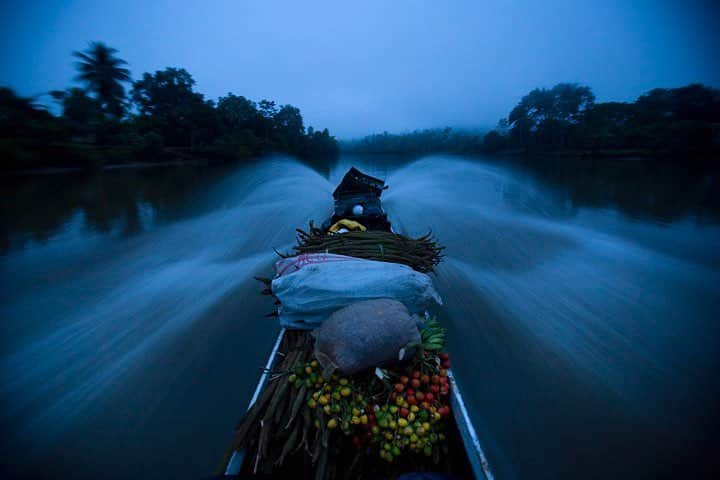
{"x": 386, "y": 413}
{"x": 362, "y": 383}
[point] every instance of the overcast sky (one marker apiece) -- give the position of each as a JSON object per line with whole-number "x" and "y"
{"x": 363, "y": 66}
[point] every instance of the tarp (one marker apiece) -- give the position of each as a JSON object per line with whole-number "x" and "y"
{"x": 310, "y": 287}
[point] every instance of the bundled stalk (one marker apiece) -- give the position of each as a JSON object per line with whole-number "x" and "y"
{"x": 421, "y": 254}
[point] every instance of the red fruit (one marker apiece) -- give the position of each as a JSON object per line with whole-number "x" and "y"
{"x": 416, "y": 374}
{"x": 426, "y": 405}
{"x": 429, "y": 397}
{"x": 425, "y": 379}
{"x": 404, "y": 412}
{"x": 404, "y": 380}
{"x": 411, "y": 400}
{"x": 415, "y": 383}
{"x": 435, "y": 380}
{"x": 410, "y": 392}
{"x": 399, "y": 387}
{"x": 419, "y": 396}
{"x": 393, "y": 396}
{"x": 443, "y": 356}
{"x": 444, "y": 411}
{"x": 444, "y": 392}
{"x": 446, "y": 364}
{"x": 356, "y": 441}
{"x": 434, "y": 388}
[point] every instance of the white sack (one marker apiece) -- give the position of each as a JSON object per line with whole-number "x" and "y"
{"x": 312, "y": 286}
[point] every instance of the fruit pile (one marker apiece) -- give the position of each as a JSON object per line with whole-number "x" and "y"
{"x": 389, "y": 415}
{"x": 393, "y": 412}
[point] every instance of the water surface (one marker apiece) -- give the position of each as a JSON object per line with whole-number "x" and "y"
{"x": 581, "y": 302}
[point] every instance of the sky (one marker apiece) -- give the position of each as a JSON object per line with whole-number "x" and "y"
{"x": 370, "y": 66}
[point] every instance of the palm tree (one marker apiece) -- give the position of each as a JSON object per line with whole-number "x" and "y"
{"x": 103, "y": 74}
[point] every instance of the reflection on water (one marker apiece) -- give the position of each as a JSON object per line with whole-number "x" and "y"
{"x": 580, "y": 302}
{"x": 123, "y": 202}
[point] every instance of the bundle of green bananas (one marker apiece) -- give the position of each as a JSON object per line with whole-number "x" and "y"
{"x": 433, "y": 335}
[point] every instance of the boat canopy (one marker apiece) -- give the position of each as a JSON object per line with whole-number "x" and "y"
{"x": 356, "y": 182}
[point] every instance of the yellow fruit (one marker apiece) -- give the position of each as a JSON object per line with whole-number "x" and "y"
{"x": 345, "y": 392}
{"x": 332, "y": 423}
{"x": 411, "y": 416}
{"x": 402, "y": 422}
{"x": 327, "y": 409}
{"x": 426, "y": 426}
{"x": 308, "y": 370}
{"x": 343, "y": 381}
{"x": 388, "y": 435}
{"x": 414, "y": 408}
{"x": 314, "y": 363}
{"x": 311, "y": 403}
{"x": 393, "y": 409}
{"x": 355, "y": 420}
{"x": 364, "y": 419}
{"x": 356, "y": 412}
{"x": 324, "y": 400}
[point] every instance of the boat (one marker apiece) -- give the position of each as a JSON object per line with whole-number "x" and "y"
{"x": 357, "y": 205}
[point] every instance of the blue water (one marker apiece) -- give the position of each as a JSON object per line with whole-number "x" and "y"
{"x": 582, "y": 320}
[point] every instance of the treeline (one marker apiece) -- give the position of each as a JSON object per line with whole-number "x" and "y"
{"x": 162, "y": 118}
{"x": 566, "y": 118}
{"x": 418, "y": 142}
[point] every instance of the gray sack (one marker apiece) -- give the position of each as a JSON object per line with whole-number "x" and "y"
{"x": 365, "y": 335}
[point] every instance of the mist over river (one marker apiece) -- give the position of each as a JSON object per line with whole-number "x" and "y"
{"x": 582, "y": 307}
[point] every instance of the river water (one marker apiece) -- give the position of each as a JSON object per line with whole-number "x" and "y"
{"x": 581, "y": 299}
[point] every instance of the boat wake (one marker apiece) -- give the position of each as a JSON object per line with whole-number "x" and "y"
{"x": 550, "y": 310}
{"x": 104, "y": 312}
{"x": 574, "y": 332}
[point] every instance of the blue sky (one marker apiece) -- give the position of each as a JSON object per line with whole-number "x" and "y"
{"x": 363, "y": 67}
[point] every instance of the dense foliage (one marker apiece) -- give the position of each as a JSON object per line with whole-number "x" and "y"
{"x": 566, "y": 117}
{"x": 162, "y": 119}
{"x": 419, "y": 141}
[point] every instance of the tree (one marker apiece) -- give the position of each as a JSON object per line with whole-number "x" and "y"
{"x": 236, "y": 112}
{"x": 103, "y": 74}
{"x": 78, "y": 108}
{"x": 169, "y": 106}
{"x": 289, "y": 128}
{"x": 544, "y": 117}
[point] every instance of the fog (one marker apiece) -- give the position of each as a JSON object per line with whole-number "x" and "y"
{"x": 371, "y": 66}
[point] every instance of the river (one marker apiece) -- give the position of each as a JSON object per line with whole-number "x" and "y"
{"x": 581, "y": 299}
